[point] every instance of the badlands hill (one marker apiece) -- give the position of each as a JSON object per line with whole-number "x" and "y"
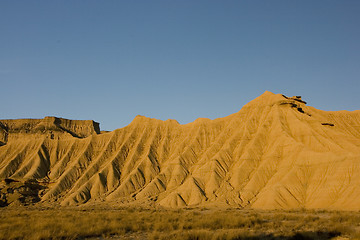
{"x": 276, "y": 152}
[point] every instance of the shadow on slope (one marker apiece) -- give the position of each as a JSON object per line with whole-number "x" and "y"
{"x": 14, "y": 192}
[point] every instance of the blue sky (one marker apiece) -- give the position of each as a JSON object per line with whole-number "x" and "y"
{"x": 112, "y": 60}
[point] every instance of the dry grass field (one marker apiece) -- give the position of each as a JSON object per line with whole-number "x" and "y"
{"x": 201, "y": 223}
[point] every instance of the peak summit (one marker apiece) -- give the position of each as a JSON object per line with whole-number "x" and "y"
{"x": 269, "y": 98}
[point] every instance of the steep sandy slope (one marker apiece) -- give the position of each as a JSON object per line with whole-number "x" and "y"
{"x": 276, "y": 152}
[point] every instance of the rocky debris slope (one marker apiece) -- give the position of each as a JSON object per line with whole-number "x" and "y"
{"x": 276, "y": 152}
{"x": 20, "y": 193}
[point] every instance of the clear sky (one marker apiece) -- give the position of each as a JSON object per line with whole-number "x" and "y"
{"x": 181, "y": 59}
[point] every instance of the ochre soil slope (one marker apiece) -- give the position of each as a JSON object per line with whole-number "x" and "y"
{"x": 276, "y": 152}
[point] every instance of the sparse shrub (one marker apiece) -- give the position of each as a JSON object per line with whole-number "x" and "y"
{"x": 71, "y": 223}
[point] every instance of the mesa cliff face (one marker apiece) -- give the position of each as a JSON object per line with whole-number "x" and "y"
{"x": 276, "y": 152}
{"x": 51, "y": 126}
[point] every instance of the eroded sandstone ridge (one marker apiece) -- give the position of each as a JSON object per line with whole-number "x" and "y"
{"x": 276, "y": 152}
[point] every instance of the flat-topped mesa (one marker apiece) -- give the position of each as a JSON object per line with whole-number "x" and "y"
{"x": 80, "y": 128}
{"x": 3, "y": 134}
{"x": 49, "y": 126}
